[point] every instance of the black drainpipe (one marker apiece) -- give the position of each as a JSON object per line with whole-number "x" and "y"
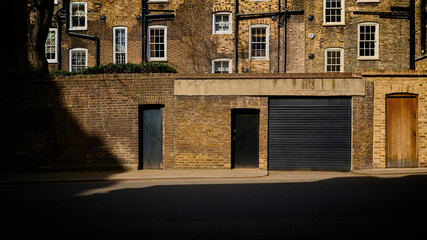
{"x": 144, "y": 30}
{"x": 285, "y": 30}
{"x": 423, "y": 26}
{"x": 59, "y": 38}
{"x": 73, "y": 34}
{"x": 236, "y": 34}
{"x": 278, "y": 37}
{"x": 412, "y": 35}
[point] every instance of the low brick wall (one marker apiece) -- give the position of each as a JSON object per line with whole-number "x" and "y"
{"x": 82, "y": 120}
{"x": 92, "y": 121}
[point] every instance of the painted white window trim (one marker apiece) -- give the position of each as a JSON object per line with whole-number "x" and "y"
{"x": 377, "y": 48}
{"x": 166, "y": 43}
{"x": 341, "y": 57}
{"x": 114, "y": 43}
{"x": 230, "y": 68}
{"x": 230, "y": 30}
{"x": 334, "y": 23}
{"x": 71, "y": 20}
{"x": 77, "y": 49}
{"x": 55, "y": 2}
{"x": 56, "y": 46}
{"x": 267, "y": 47}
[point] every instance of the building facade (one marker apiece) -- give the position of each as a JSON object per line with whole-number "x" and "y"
{"x": 244, "y": 36}
{"x": 323, "y": 85}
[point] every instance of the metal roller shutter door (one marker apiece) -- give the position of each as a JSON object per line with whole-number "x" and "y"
{"x": 310, "y": 133}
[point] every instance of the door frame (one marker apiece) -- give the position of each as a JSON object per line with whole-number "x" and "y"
{"x": 233, "y": 123}
{"x": 402, "y": 95}
{"x": 141, "y": 109}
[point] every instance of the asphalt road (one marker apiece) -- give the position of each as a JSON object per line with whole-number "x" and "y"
{"x": 343, "y": 207}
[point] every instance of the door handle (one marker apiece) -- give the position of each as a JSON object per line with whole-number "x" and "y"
{"x": 415, "y": 133}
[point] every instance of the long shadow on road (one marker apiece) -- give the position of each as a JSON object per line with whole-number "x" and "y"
{"x": 350, "y": 208}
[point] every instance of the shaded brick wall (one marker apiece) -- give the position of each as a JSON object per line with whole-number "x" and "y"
{"x": 82, "y": 120}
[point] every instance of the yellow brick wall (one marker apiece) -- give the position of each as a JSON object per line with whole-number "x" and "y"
{"x": 203, "y": 130}
{"x": 393, "y": 83}
{"x": 191, "y": 45}
{"x": 393, "y": 37}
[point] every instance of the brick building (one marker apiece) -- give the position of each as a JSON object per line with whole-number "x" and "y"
{"x": 349, "y": 82}
{"x": 199, "y": 36}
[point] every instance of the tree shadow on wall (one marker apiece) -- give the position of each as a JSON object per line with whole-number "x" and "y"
{"x": 193, "y": 29}
{"x": 38, "y": 132}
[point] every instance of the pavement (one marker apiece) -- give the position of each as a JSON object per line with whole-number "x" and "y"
{"x": 133, "y": 174}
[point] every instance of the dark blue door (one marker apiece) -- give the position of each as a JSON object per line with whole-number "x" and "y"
{"x": 151, "y": 137}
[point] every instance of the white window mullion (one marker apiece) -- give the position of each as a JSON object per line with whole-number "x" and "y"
{"x": 334, "y": 60}
{"x": 222, "y": 65}
{"x": 333, "y": 12}
{"x": 51, "y": 46}
{"x": 259, "y": 42}
{"x": 78, "y": 59}
{"x": 78, "y": 16}
{"x": 157, "y": 43}
{"x": 368, "y": 41}
{"x": 222, "y": 23}
{"x": 120, "y": 45}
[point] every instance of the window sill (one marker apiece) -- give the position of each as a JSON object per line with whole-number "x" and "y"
{"x": 157, "y": 60}
{"x": 221, "y": 33}
{"x": 259, "y": 59}
{"x": 78, "y": 29}
{"x": 368, "y": 59}
{"x": 52, "y": 61}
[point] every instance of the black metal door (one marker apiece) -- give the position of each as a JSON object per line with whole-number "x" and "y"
{"x": 245, "y": 138}
{"x": 310, "y": 133}
{"x": 150, "y": 137}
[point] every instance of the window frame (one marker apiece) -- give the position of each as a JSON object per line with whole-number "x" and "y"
{"x": 267, "y": 44}
{"x": 165, "y": 43}
{"x": 70, "y": 57}
{"x": 335, "y": 49}
{"x": 376, "y": 41}
{"x": 230, "y": 68}
{"x": 342, "y": 22}
{"x": 55, "y": 60}
{"x": 71, "y": 14}
{"x": 230, "y": 17}
{"x": 114, "y": 43}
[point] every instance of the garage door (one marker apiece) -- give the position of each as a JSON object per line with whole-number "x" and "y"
{"x": 310, "y": 133}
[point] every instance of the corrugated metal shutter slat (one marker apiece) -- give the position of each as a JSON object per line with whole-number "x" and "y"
{"x": 310, "y": 133}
